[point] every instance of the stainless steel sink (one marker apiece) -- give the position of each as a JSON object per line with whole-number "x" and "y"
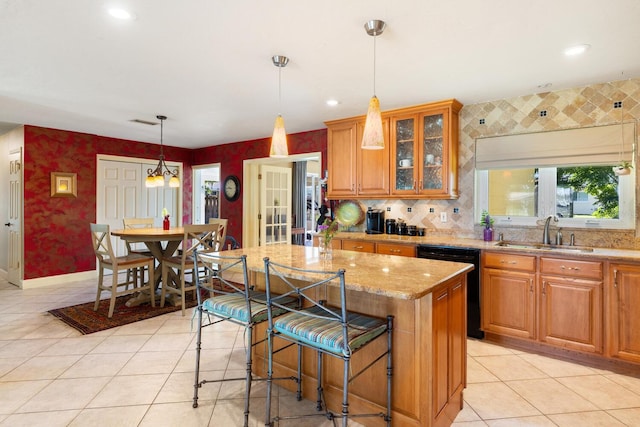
{"x": 541, "y": 246}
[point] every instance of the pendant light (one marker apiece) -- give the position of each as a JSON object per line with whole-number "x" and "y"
{"x": 155, "y": 177}
{"x": 372, "y": 137}
{"x": 279, "y": 139}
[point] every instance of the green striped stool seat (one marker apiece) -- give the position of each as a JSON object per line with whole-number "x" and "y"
{"x": 234, "y": 306}
{"x": 327, "y": 333}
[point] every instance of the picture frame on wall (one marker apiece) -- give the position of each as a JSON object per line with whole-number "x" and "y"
{"x": 64, "y": 184}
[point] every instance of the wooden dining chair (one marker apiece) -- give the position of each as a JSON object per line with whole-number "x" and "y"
{"x": 130, "y": 263}
{"x": 201, "y": 237}
{"x": 134, "y": 223}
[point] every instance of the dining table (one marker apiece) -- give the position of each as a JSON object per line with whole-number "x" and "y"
{"x": 161, "y": 243}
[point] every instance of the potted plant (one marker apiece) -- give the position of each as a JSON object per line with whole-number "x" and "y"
{"x": 623, "y": 168}
{"x": 487, "y": 221}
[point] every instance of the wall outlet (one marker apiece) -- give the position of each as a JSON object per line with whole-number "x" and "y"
{"x": 443, "y": 217}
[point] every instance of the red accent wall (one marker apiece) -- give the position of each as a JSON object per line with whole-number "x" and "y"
{"x": 56, "y": 230}
{"x": 231, "y": 156}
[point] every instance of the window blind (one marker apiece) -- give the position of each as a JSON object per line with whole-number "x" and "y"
{"x": 600, "y": 145}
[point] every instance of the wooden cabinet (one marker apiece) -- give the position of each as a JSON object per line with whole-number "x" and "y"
{"x": 424, "y": 151}
{"x": 624, "y": 321}
{"x": 354, "y": 172}
{"x": 508, "y": 294}
{"x": 396, "y": 249}
{"x": 449, "y": 350}
{"x": 570, "y": 304}
{"x": 419, "y": 159}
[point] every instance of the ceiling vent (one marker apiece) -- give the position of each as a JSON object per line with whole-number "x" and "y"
{"x": 144, "y": 122}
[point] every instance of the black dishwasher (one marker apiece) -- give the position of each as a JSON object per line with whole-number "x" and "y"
{"x": 468, "y": 256}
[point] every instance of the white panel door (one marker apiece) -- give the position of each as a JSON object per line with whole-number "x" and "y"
{"x": 275, "y": 205}
{"x": 14, "y": 265}
{"x": 118, "y": 195}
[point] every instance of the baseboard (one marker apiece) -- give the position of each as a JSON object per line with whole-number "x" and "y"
{"x": 58, "y": 280}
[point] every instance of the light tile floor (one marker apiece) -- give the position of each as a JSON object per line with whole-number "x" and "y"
{"x": 142, "y": 375}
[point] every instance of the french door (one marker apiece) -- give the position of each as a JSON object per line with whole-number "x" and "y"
{"x": 275, "y": 206}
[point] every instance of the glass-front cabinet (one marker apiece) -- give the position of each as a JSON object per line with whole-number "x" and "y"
{"x": 419, "y": 160}
{"x": 424, "y": 153}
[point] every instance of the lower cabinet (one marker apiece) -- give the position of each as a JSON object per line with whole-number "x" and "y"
{"x": 571, "y": 304}
{"x": 358, "y": 246}
{"x": 508, "y": 294}
{"x": 449, "y": 350}
{"x": 624, "y": 320}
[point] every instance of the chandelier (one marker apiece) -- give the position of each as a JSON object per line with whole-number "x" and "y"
{"x": 155, "y": 177}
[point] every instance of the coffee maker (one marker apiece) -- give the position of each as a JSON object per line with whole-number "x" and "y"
{"x": 375, "y": 221}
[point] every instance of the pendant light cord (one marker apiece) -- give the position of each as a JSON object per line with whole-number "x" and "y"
{"x": 374, "y": 63}
{"x": 279, "y": 90}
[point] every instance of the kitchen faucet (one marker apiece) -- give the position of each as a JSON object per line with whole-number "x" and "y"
{"x": 545, "y": 235}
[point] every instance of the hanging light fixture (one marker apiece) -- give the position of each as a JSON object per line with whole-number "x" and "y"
{"x": 279, "y": 139}
{"x": 155, "y": 177}
{"x": 372, "y": 137}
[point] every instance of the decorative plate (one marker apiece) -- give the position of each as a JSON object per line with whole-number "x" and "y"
{"x": 349, "y": 213}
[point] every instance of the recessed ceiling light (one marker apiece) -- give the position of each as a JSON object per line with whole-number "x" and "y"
{"x": 576, "y": 50}
{"x": 123, "y": 14}
{"x": 332, "y": 102}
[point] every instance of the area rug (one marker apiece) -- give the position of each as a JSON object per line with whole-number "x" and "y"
{"x": 84, "y": 319}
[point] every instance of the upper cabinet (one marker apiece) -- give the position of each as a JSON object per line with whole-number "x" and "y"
{"x": 420, "y": 158}
{"x": 354, "y": 172}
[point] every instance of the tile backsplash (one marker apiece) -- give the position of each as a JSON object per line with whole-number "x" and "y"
{"x": 565, "y": 109}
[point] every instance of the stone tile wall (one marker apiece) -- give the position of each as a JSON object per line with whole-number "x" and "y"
{"x": 572, "y": 108}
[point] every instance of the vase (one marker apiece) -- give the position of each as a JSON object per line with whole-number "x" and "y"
{"x": 165, "y": 223}
{"x": 488, "y": 234}
{"x": 324, "y": 247}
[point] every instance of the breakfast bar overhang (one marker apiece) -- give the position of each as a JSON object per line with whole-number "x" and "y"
{"x": 427, "y": 299}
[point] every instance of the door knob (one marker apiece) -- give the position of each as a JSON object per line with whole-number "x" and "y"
{"x": 8, "y": 224}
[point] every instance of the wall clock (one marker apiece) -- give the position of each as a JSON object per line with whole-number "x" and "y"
{"x": 231, "y": 188}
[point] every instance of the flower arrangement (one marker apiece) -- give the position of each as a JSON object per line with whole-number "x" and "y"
{"x": 165, "y": 213}
{"x": 486, "y": 220}
{"x": 328, "y": 229}
{"x": 165, "y": 221}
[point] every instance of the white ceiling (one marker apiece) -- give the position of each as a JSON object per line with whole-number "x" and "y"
{"x": 207, "y": 64}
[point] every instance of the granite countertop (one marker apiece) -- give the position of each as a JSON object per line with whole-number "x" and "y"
{"x": 386, "y": 275}
{"x": 608, "y": 253}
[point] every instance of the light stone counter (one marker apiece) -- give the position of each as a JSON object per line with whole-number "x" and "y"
{"x": 610, "y": 254}
{"x": 385, "y": 275}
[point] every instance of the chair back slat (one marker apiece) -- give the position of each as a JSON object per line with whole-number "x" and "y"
{"x": 218, "y": 243}
{"x": 201, "y": 237}
{"x": 101, "y": 238}
{"x": 136, "y": 223}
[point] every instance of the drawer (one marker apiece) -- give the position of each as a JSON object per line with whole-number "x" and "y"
{"x": 571, "y": 268}
{"x": 358, "y": 245}
{"x": 508, "y": 261}
{"x": 391, "y": 249}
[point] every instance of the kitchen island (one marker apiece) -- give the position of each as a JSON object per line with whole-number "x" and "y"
{"x": 427, "y": 299}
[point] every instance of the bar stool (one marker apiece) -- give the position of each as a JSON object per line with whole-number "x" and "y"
{"x": 329, "y": 330}
{"x": 225, "y": 280}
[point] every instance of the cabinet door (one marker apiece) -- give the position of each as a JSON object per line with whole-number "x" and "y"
{"x": 404, "y": 155}
{"x": 372, "y": 168}
{"x": 624, "y": 300}
{"x": 432, "y": 151}
{"x": 570, "y": 314}
{"x": 449, "y": 349}
{"x": 341, "y": 160}
{"x": 508, "y": 302}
